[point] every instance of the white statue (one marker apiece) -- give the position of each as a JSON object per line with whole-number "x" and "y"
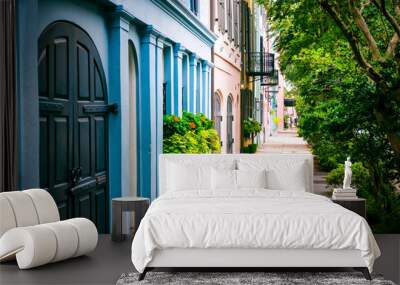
{"x": 347, "y": 174}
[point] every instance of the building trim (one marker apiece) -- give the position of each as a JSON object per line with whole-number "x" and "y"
{"x": 182, "y": 15}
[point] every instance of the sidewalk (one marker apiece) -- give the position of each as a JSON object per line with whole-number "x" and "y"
{"x": 285, "y": 141}
{"x": 288, "y": 141}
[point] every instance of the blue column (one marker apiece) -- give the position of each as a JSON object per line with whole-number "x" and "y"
{"x": 199, "y": 93}
{"x": 119, "y": 93}
{"x": 168, "y": 57}
{"x": 147, "y": 119}
{"x": 192, "y": 82}
{"x": 159, "y": 108}
{"x": 209, "y": 91}
{"x": 27, "y": 94}
{"x": 185, "y": 84}
{"x": 204, "y": 98}
{"x": 177, "y": 79}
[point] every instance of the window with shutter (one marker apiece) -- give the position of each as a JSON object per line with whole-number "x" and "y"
{"x": 221, "y": 15}
{"x": 236, "y": 22}
{"x": 229, "y": 19}
{"x": 194, "y": 6}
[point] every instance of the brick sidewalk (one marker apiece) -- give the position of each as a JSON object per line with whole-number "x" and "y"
{"x": 288, "y": 141}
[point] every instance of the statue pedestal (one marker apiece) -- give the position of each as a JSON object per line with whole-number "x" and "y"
{"x": 348, "y": 193}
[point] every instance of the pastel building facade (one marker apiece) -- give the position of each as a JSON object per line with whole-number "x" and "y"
{"x": 273, "y": 99}
{"x": 94, "y": 79}
{"x": 226, "y": 73}
{"x": 256, "y": 65}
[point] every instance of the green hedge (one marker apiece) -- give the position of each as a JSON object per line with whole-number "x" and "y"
{"x": 191, "y": 133}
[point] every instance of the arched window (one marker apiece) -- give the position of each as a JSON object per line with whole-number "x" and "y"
{"x": 217, "y": 116}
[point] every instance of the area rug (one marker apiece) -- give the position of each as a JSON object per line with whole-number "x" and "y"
{"x": 244, "y": 278}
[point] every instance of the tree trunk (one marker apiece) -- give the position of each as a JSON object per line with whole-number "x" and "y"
{"x": 387, "y": 117}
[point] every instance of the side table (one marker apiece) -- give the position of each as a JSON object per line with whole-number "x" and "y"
{"x": 138, "y": 205}
{"x": 357, "y": 205}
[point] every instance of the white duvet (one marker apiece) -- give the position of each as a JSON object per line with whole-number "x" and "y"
{"x": 252, "y": 218}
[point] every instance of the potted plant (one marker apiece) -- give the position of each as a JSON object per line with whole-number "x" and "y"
{"x": 250, "y": 129}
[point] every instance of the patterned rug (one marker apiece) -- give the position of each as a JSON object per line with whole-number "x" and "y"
{"x": 244, "y": 278}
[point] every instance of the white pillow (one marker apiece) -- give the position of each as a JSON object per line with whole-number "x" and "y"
{"x": 251, "y": 178}
{"x": 223, "y": 179}
{"x": 188, "y": 177}
{"x": 291, "y": 179}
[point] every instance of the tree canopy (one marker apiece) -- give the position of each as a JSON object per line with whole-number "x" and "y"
{"x": 343, "y": 61}
{"x": 363, "y": 33}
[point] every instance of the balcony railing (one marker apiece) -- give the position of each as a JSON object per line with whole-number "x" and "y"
{"x": 271, "y": 79}
{"x": 260, "y": 63}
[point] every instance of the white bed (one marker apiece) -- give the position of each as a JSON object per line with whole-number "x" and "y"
{"x": 225, "y": 226}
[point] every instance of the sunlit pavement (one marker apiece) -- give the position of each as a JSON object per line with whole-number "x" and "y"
{"x": 288, "y": 141}
{"x": 284, "y": 141}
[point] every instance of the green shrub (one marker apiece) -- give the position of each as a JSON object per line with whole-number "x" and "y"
{"x": 192, "y": 133}
{"x": 360, "y": 176}
{"x": 383, "y": 207}
{"x": 214, "y": 142}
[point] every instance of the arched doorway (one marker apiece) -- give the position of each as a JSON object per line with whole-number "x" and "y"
{"x": 133, "y": 69}
{"x": 73, "y": 123}
{"x": 217, "y": 115}
{"x": 229, "y": 125}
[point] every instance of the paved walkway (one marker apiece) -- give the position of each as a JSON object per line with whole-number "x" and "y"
{"x": 285, "y": 141}
{"x": 288, "y": 141}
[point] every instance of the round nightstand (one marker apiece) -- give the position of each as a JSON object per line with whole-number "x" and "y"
{"x": 138, "y": 205}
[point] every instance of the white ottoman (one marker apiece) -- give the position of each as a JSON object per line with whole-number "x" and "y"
{"x": 31, "y": 232}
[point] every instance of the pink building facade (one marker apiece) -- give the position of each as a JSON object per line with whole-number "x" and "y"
{"x": 227, "y": 60}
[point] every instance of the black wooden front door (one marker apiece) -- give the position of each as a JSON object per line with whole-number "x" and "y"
{"x": 73, "y": 123}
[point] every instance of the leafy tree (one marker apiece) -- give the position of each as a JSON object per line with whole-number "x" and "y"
{"x": 346, "y": 89}
{"x": 369, "y": 29}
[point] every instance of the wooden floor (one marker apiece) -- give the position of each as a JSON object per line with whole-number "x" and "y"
{"x": 110, "y": 260}
{"x": 103, "y": 266}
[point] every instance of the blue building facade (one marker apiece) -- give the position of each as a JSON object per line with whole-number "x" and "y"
{"x": 153, "y": 57}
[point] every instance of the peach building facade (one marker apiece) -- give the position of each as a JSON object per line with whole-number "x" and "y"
{"x": 227, "y": 60}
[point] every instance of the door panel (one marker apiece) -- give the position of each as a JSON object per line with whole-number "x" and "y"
{"x": 100, "y": 198}
{"x": 73, "y": 143}
{"x": 83, "y": 73}
{"x": 44, "y": 151}
{"x": 43, "y": 73}
{"x": 84, "y": 146}
{"x": 98, "y": 84}
{"x": 61, "y": 145}
{"x": 99, "y": 126}
{"x": 61, "y": 67}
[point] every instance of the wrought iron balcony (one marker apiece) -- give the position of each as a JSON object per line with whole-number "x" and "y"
{"x": 271, "y": 79}
{"x": 260, "y": 63}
